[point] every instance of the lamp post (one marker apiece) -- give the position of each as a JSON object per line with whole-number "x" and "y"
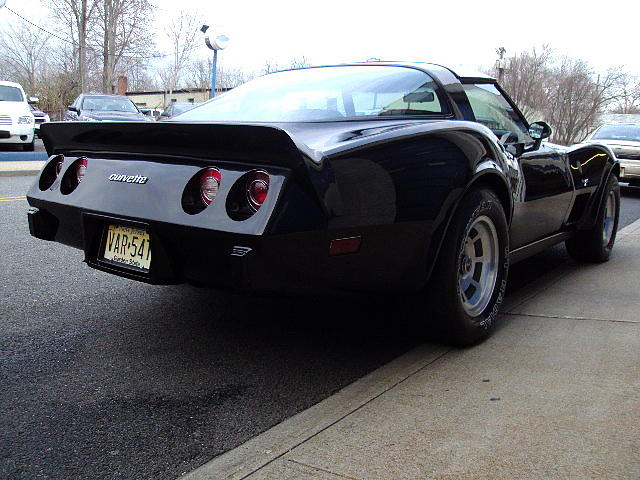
{"x": 215, "y": 43}
{"x": 2, "y": 3}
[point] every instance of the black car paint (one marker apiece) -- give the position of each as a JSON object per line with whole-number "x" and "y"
{"x": 395, "y": 182}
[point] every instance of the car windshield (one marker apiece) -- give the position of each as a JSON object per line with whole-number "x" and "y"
{"x": 618, "y": 132}
{"x": 10, "y": 94}
{"x": 109, "y": 104}
{"x": 326, "y": 93}
{"x": 177, "y": 109}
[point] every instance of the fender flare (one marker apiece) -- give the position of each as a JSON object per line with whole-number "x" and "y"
{"x": 487, "y": 174}
{"x": 591, "y": 212}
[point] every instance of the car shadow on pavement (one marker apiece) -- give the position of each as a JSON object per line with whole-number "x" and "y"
{"x": 167, "y": 378}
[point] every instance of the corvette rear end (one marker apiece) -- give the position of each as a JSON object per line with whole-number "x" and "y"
{"x": 161, "y": 218}
{"x": 230, "y": 206}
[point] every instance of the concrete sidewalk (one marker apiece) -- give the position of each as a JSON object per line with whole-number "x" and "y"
{"x": 554, "y": 394}
{"x": 15, "y": 169}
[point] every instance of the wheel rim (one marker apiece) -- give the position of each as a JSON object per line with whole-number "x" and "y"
{"x": 609, "y": 218}
{"x": 478, "y": 266}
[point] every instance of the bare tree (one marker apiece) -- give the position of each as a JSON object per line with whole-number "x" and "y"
{"x": 200, "y": 75}
{"x": 137, "y": 72}
{"x": 183, "y": 33}
{"x": 270, "y": 66}
{"x": 628, "y": 98}
{"x": 123, "y": 31}
{"x": 24, "y": 51}
{"x": 79, "y": 18}
{"x": 525, "y": 77}
{"x": 566, "y": 92}
{"x": 576, "y": 97}
{"x": 299, "y": 62}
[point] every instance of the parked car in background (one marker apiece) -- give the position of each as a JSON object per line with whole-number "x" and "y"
{"x": 389, "y": 178}
{"x": 16, "y": 120}
{"x": 90, "y": 107}
{"x": 40, "y": 117}
{"x": 624, "y": 140}
{"x": 176, "y": 108}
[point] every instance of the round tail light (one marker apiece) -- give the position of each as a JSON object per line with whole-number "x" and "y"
{"x": 209, "y": 184}
{"x": 81, "y": 169}
{"x": 257, "y": 189}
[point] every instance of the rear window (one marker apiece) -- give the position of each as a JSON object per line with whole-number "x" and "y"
{"x": 326, "y": 94}
{"x": 10, "y": 94}
{"x": 630, "y": 133}
{"x": 109, "y": 104}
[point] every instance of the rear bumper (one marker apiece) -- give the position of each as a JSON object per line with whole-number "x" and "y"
{"x": 391, "y": 259}
{"x": 15, "y": 134}
{"x": 629, "y": 169}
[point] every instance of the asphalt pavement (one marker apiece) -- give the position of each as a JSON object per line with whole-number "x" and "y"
{"x": 102, "y": 377}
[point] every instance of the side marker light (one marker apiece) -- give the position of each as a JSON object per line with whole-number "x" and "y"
{"x": 340, "y": 246}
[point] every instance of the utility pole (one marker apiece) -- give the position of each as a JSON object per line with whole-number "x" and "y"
{"x": 500, "y": 63}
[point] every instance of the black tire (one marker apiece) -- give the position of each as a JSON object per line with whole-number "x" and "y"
{"x": 28, "y": 147}
{"x": 595, "y": 245}
{"x": 453, "y": 317}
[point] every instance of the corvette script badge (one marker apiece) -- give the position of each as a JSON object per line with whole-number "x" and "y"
{"x": 114, "y": 177}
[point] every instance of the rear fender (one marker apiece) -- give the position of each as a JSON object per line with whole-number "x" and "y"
{"x": 487, "y": 174}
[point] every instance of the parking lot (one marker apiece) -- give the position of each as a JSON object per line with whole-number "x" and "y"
{"x": 15, "y": 152}
{"x": 109, "y": 378}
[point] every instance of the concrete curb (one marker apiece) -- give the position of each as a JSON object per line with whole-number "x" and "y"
{"x": 18, "y": 169}
{"x": 271, "y": 445}
{"x": 284, "y": 437}
{"x": 19, "y": 173}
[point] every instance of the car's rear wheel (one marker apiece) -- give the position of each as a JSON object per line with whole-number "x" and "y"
{"x": 595, "y": 244}
{"x": 469, "y": 280}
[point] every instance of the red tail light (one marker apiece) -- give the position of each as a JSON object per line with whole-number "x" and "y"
{"x": 58, "y": 166}
{"x": 81, "y": 169}
{"x": 257, "y": 189}
{"x": 209, "y": 184}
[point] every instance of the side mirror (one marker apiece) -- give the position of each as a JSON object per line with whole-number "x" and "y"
{"x": 71, "y": 108}
{"x": 539, "y": 130}
{"x": 33, "y": 100}
{"x": 164, "y": 114}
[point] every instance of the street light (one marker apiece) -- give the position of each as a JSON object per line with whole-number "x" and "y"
{"x": 215, "y": 43}
{"x": 2, "y": 3}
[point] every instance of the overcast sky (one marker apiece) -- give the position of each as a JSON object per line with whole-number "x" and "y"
{"x": 467, "y": 32}
{"x": 450, "y": 32}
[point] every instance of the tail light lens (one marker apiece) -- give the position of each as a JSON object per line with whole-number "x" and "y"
{"x": 81, "y": 169}
{"x": 51, "y": 172}
{"x": 58, "y": 165}
{"x": 209, "y": 184}
{"x": 73, "y": 176}
{"x": 257, "y": 189}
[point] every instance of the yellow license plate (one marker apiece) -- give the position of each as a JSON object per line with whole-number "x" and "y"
{"x": 128, "y": 246}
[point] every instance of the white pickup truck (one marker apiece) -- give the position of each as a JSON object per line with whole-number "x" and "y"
{"x": 16, "y": 120}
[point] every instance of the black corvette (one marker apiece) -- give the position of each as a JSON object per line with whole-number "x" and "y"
{"x": 378, "y": 177}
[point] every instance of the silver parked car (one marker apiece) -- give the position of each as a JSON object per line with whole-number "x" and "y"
{"x": 624, "y": 140}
